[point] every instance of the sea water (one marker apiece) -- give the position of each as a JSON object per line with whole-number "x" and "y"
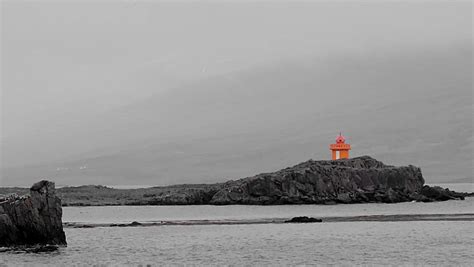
{"x": 127, "y": 214}
{"x": 342, "y": 243}
{"x": 345, "y": 243}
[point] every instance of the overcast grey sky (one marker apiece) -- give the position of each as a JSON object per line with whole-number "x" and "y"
{"x": 63, "y": 63}
{"x": 88, "y": 57}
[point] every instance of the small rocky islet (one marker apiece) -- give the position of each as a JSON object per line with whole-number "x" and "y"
{"x": 356, "y": 180}
{"x": 303, "y": 219}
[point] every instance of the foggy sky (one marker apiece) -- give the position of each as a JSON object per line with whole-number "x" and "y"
{"x": 63, "y": 64}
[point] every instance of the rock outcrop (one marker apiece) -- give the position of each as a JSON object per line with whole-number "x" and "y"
{"x": 303, "y": 219}
{"x": 355, "y": 180}
{"x": 437, "y": 193}
{"x": 33, "y": 219}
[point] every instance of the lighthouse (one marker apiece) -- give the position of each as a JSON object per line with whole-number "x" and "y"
{"x": 340, "y": 150}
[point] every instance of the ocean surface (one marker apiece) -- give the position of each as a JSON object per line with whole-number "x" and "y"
{"x": 441, "y": 243}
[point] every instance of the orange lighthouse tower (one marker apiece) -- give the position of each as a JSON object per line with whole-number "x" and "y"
{"x": 340, "y": 150}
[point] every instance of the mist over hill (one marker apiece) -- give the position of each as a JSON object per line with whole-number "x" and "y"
{"x": 158, "y": 93}
{"x": 409, "y": 107}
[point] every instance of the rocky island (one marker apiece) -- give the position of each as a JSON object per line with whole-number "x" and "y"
{"x": 32, "y": 220}
{"x": 355, "y": 180}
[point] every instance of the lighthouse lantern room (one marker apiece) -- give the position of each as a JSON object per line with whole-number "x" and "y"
{"x": 340, "y": 150}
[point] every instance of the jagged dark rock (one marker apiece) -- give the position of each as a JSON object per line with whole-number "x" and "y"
{"x": 355, "y": 180}
{"x": 303, "y": 219}
{"x": 32, "y": 220}
{"x": 437, "y": 193}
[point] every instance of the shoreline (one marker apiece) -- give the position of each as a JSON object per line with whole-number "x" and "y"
{"x": 331, "y": 219}
{"x": 329, "y": 203}
{"x": 101, "y": 196}
{"x": 145, "y": 187}
{"x": 321, "y": 182}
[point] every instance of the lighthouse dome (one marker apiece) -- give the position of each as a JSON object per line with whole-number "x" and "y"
{"x": 340, "y": 139}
